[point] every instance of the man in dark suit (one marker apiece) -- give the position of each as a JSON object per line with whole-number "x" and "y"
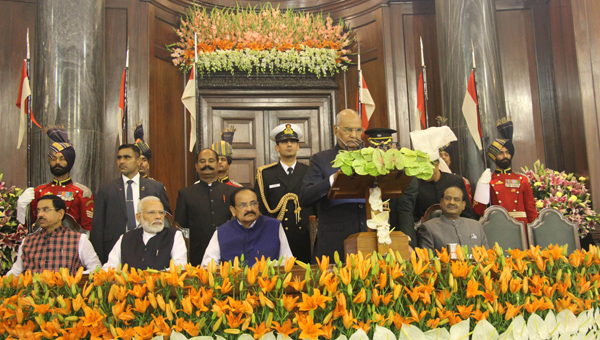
{"x": 338, "y": 219}
{"x": 117, "y": 200}
{"x": 278, "y": 186}
{"x": 203, "y": 206}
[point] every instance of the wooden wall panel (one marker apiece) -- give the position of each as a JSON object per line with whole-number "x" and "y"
{"x": 171, "y": 163}
{"x": 15, "y": 18}
{"x": 566, "y": 85}
{"x": 521, "y": 90}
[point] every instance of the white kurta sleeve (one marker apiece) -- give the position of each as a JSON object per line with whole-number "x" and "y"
{"x": 179, "y": 251}
{"x": 17, "y": 267}
{"x": 114, "y": 258}
{"x": 88, "y": 255}
{"x": 213, "y": 251}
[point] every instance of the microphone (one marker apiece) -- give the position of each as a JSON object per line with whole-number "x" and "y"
{"x": 359, "y": 145}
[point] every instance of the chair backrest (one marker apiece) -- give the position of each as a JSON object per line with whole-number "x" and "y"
{"x": 432, "y": 212}
{"x": 552, "y": 227}
{"x": 68, "y": 222}
{"x": 170, "y": 223}
{"x": 501, "y": 228}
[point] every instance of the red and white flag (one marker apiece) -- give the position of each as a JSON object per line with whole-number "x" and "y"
{"x": 365, "y": 100}
{"x": 189, "y": 101}
{"x": 122, "y": 106}
{"x": 470, "y": 110}
{"x": 421, "y": 103}
{"x": 24, "y": 93}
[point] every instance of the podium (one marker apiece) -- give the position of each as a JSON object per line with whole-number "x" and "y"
{"x": 355, "y": 186}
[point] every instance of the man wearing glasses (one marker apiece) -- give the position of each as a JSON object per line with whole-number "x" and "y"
{"x": 151, "y": 246}
{"x": 340, "y": 218}
{"x": 54, "y": 246}
{"x": 249, "y": 233}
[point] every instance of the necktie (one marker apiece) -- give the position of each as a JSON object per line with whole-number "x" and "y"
{"x": 129, "y": 205}
{"x": 290, "y": 170}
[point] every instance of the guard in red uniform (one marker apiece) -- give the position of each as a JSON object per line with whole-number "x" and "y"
{"x": 508, "y": 189}
{"x": 145, "y": 152}
{"x": 78, "y": 197}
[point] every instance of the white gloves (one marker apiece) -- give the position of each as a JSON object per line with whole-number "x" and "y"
{"x": 24, "y": 200}
{"x": 482, "y": 192}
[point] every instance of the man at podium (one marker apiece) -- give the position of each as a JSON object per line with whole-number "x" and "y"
{"x": 338, "y": 219}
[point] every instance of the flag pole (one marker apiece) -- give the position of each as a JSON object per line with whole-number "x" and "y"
{"x": 478, "y": 113}
{"x": 124, "y": 123}
{"x": 359, "y": 85}
{"x": 345, "y": 92}
{"x": 196, "y": 84}
{"x": 424, "y": 69}
{"x": 27, "y": 62}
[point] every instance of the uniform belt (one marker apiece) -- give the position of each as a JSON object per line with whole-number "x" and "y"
{"x": 518, "y": 214}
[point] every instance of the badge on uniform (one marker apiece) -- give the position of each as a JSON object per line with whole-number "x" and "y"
{"x": 473, "y": 237}
{"x": 274, "y": 185}
{"x": 65, "y": 195}
{"x": 512, "y": 183}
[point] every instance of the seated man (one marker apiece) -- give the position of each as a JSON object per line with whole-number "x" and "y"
{"x": 55, "y": 246}
{"x": 151, "y": 246}
{"x": 450, "y": 227}
{"x": 249, "y": 233}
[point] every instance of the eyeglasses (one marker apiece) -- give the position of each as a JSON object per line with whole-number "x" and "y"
{"x": 156, "y": 212}
{"x": 349, "y": 130}
{"x": 46, "y": 209}
{"x": 245, "y": 205}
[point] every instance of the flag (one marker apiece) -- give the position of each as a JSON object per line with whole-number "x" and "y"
{"x": 421, "y": 102}
{"x": 122, "y": 107}
{"x": 189, "y": 101}
{"x": 366, "y": 101}
{"x": 471, "y": 111}
{"x": 24, "y": 93}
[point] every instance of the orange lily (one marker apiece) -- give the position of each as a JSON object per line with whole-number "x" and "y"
{"x": 363, "y": 325}
{"x": 310, "y": 330}
{"x": 345, "y": 275}
{"x": 478, "y": 315}
{"x": 145, "y": 332}
{"x": 511, "y": 311}
{"x": 285, "y": 329}
{"x": 126, "y": 316}
{"x": 433, "y": 323}
{"x": 443, "y": 255}
{"x": 289, "y": 302}
{"x": 260, "y": 330}
{"x": 297, "y": 284}
{"x": 416, "y": 317}
{"x": 460, "y": 269}
{"x": 348, "y": 320}
{"x": 323, "y": 263}
{"x": 226, "y": 286}
{"x": 399, "y": 320}
{"x": 234, "y": 321}
{"x": 267, "y": 284}
{"x": 289, "y": 264}
{"x": 313, "y": 302}
{"x": 360, "y": 297}
{"x": 464, "y": 311}
{"x": 92, "y": 317}
{"x": 141, "y": 305}
{"x": 515, "y": 285}
{"x": 137, "y": 291}
{"x": 327, "y": 330}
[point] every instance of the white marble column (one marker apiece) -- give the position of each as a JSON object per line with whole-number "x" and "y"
{"x": 460, "y": 23}
{"x": 68, "y": 84}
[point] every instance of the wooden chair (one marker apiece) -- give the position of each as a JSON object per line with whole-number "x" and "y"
{"x": 552, "y": 227}
{"x": 170, "y": 223}
{"x": 501, "y": 228}
{"x": 432, "y": 212}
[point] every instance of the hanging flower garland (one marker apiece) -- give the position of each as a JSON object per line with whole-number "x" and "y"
{"x": 261, "y": 40}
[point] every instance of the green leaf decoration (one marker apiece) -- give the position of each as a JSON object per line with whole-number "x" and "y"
{"x": 376, "y": 162}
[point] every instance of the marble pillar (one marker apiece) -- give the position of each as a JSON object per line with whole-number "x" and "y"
{"x": 460, "y": 23}
{"x": 68, "y": 84}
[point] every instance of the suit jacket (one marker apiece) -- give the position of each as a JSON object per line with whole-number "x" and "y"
{"x": 202, "y": 209}
{"x": 277, "y": 183}
{"x": 110, "y": 215}
{"x": 338, "y": 219}
{"x": 401, "y": 211}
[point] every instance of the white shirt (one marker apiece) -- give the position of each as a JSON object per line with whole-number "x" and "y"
{"x": 213, "y": 251}
{"x": 87, "y": 256}
{"x": 135, "y": 187}
{"x": 285, "y": 167}
{"x": 178, "y": 252}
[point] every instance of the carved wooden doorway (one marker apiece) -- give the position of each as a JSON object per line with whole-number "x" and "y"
{"x": 254, "y": 113}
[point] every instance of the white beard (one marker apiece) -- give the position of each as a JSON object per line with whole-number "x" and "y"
{"x": 154, "y": 227}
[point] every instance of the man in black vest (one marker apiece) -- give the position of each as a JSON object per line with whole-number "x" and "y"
{"x": 151, "y": 246}
{"x": 203, "y": 206}
{"x": 278, "y": 186}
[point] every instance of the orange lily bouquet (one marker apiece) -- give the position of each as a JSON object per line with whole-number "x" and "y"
{"x": 262, "y": 39}
{"x": 537, "y": 294}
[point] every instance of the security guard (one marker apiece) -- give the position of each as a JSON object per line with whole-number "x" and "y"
{"x": 78, "y": 197}
{"x": 145, "y": 152}
{"x": 506, "y": 188}
{"x": 278, "y": 186}
{"x": 225, "y": 152}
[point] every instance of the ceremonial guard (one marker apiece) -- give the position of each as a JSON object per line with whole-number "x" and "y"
{"x": 504, "y": 187}
{"x": 78, "y": 198}
{"x": 278, "y": 187}
{"x": 145, "y": 152}
{"x": 225, "y": 152}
